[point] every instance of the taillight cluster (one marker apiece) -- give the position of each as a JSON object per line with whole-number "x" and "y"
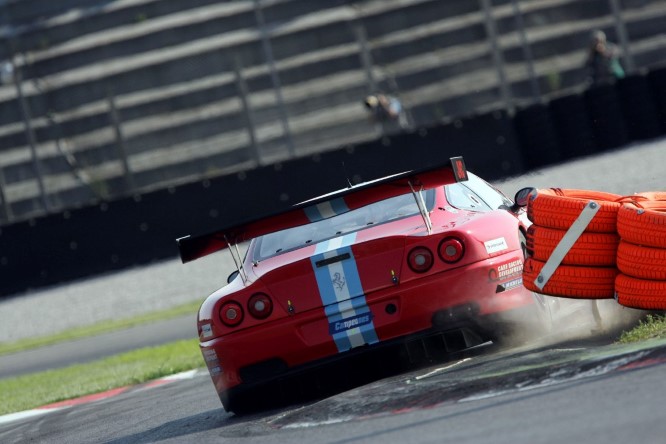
{"x": 420, "y": 259}
{"x": 259, "y": 305}
{"x": 450, "y": 250}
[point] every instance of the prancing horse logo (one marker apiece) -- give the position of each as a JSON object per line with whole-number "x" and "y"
{"x": 338, "y": 281}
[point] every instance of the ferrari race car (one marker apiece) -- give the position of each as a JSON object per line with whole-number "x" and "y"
{"x": 422, "y": 264}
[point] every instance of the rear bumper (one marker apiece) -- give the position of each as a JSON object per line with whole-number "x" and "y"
{"x": 465, "y": 300}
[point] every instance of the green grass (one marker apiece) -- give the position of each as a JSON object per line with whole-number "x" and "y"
{"x": 652, "y": 327}
{"x": 38, "y": 389}
{"x": 98, "y": 328}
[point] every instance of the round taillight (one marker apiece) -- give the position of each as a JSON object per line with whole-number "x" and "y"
{"x": 231, "y": 314}
{"x": 420, "y": 259}
{"x": 260, "y": 306}
{"x": 451, "y": 250}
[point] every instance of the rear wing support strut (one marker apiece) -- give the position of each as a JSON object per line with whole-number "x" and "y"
{"x": 236, "y": 256}
{"x": 418, "y": 197}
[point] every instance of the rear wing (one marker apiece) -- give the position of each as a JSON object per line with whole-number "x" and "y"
{"x": 323, "y": 207}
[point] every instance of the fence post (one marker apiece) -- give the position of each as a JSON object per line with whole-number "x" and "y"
{"x": 493, "y": 41}
{"x": 120, "y": 143}
{"x": 621, "y": 29}
{"x": 527, "y": 51}
{"x": 366, "y": 56}
{"x": 275, "y": 78}
{"x": 6, "y": 214}
{"x": 30, "y": 134}
{"x": 243, "y": 94}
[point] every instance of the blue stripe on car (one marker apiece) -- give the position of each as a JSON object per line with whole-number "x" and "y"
{"x": 342, "y": 295}
{"x": 325, "y": 210}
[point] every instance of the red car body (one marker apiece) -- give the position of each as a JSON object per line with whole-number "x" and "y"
{"x": 343, "y": 293}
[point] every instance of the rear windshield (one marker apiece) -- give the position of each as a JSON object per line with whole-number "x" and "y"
{"x": 370, "y": 215}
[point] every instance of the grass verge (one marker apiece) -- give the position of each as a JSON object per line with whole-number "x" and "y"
{"x": 98, "y": 328}
{"x": 135, "y": 367}
{"x": 652, "y": 327}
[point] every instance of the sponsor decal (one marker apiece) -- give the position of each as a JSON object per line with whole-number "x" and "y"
{"x": 495, "y": 245}
{"x": 338, "y": 281}
{"x": 506, "y": 286}
{"x": 349, "y": 323}
{"x": 206, "y": 330}
{"x": 215, "y": 371}
{"x": 210, "y": 355}
{"x": 505, "y": 270}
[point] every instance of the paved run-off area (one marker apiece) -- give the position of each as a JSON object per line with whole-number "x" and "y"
{"x": 635, "y": 168}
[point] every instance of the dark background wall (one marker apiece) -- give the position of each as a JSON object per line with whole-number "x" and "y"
{"x": 118, "y": 234}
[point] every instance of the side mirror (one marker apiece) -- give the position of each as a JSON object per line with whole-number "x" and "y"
{"x": 522, "y": 196}
{"x": 232, "y": 276}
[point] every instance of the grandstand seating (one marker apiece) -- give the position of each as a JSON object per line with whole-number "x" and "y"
{"x": 169, "y": 66}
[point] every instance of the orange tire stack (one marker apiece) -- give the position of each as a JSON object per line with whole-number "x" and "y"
{"x": 641, "y": 255}
{"x": 588, "y": 271}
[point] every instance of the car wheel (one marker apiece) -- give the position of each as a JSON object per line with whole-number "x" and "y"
{"x": 237, "y": 401}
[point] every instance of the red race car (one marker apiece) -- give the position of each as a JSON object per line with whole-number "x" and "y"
{"x": 426, "y": 262}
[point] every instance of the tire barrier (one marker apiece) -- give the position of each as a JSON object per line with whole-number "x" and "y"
{"x": 641, "y": 262}
{"x": 613, "y": 247}
{"x": 591, "y": 249}
{"x": 643, "y": 223}
{"x": 559, "y": 208}
{"x": 572, "y": 126}
{"x": 641, "y": 254}
{"x": 638, "y": 107}
{"x": 640, "y": 293}
{"x": 569, "y": 281}
{"x": 657, "y": 81}
{"x": 537, "y": 136}
{"x": 598, "y": 119}
{"x": 606, "y": 119}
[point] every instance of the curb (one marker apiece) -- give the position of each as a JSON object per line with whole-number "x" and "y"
{"x": 87, "y": 399}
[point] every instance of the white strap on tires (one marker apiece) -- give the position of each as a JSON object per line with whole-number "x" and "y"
{"x": 563, "y": 247}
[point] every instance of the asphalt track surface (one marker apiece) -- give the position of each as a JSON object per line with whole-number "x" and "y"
{"x": 574, "y": 392}
{"x": 580, "y": 390}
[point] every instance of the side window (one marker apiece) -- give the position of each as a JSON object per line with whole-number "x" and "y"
{"x": 475, "y": 195}
{"x": 493, "y": 198}
{"x": 461, "y": 197}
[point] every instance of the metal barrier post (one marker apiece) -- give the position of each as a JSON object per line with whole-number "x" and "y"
{"x": 527, "y": 51}
{"x": 6, "y": 209}
{"x": 275, "y": 78}
{"x": 120, "y": 143}
{"x": 30, "y": 135}
{"x": 243, "y": 94}
{"x": 491, "y": 32}
{"x": 621, "y": 29}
